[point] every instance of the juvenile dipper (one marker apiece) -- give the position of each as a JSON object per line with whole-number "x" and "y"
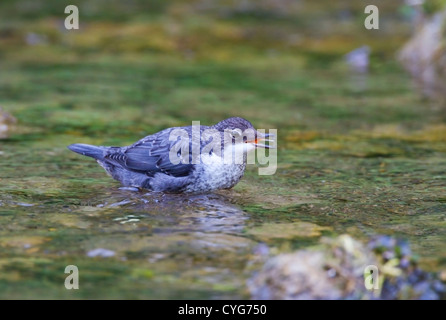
{"x": 167, "y": 160}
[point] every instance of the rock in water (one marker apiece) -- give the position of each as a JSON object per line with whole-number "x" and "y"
{"x": 100, "y": 252}
{"x": 358, "y": 59}
{"x": 336, "y": 269}
{"x": 424, "y": 56}
{"x": 325, "y": 272}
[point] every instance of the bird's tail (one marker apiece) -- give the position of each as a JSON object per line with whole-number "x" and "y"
{"x": 88, "y": 150}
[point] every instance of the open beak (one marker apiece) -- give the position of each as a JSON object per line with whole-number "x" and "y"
{"x": 262, "y": 137}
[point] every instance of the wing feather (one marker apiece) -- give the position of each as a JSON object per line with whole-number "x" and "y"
{"x": 151, "y": 155}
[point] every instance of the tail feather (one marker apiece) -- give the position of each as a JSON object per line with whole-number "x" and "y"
{"x": 88, "y": 150}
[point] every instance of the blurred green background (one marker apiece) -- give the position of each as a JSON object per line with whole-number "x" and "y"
{"x": 359, "y": 152}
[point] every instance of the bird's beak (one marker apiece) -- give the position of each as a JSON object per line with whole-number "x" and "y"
{"x": 262, "y": 137}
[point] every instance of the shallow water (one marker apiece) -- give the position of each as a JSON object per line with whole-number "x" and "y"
{"x": 362, "y": 157}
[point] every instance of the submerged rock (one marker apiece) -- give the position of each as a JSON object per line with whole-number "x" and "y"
{"x": 7, "y": 121}
{"x": 336, "y": 269}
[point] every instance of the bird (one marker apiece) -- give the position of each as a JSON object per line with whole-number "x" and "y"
{"x": 167, "y": 161}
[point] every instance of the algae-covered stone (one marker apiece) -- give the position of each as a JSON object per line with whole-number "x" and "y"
{"x": 337, "y": 269}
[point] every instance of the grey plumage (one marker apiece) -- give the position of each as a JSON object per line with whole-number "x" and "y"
{"x": 146, "y": 163}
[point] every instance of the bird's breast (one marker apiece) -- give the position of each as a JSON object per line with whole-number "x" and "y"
{"x": 214, "y": 173}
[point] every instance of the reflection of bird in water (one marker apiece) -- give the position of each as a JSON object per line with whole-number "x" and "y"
{"x": 148, "y": 163}
{"x": 206, "y": 213}
{"x": 192, "y": 240}
{"x": 424, "y": 55}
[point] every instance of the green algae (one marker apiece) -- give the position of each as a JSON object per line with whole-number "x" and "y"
{"x": 358, "y": 160}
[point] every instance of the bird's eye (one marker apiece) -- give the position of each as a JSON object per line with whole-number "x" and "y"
{"x": 235, "y": 134}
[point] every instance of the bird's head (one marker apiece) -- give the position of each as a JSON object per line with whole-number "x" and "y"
{"x": 239, "y": 132}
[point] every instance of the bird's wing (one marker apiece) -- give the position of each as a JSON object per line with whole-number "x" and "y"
{"x": 151, "y": 155}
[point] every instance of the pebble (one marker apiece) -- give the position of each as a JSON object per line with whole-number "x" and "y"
{"x": 100, "y": 252}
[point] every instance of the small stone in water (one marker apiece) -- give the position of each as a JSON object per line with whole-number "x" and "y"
{"x": 331, "y": 273}
{"x": 100, "y": 252}
{"x": 261, "y": 249}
